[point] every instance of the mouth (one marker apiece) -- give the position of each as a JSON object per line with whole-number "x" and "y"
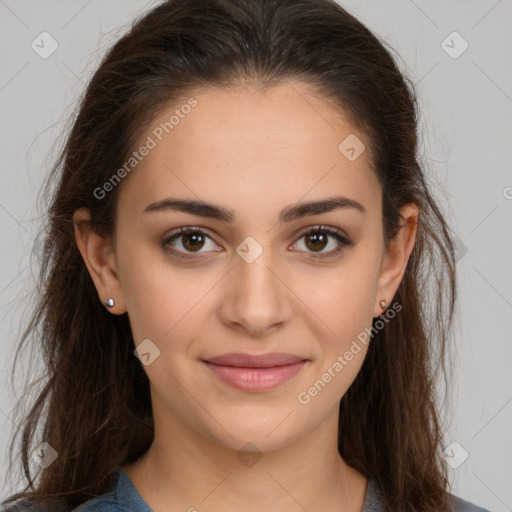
{"x": 255, "y": 373}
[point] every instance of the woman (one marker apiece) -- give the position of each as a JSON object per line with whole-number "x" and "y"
{"x": 235, "y": 312}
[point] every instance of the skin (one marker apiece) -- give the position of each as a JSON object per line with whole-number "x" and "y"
{"x": 256, "y": 153}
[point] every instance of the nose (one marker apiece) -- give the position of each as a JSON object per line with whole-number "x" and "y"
{"x": 258, "y": 299}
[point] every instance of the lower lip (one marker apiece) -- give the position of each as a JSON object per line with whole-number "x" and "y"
{"x": 255, "y": 379}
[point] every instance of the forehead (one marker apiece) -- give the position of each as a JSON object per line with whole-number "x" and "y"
{"x": 256, "y": 149}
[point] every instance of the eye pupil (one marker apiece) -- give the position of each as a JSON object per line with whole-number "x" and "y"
{"x": 193, "y": 240}
{"x": 316, "y": 237}
{"x": 197, "y": 239}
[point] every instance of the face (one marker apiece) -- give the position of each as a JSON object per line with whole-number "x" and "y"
{"x": 267, "y": 277}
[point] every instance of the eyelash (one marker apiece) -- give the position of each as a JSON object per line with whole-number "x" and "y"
{"x": 342, "y": 239}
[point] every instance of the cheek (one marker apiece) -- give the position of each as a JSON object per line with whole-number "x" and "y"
{"x": 149, "y": 295}
{"x": 163, "y": 300}
{"x": 340, "y": 302}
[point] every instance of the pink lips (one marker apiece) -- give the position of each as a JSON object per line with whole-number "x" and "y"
{"x": 255, "y": 372}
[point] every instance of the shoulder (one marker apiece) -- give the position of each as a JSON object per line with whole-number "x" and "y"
{"x": 107, "y": 502}
{"x": 374, "y": 501}
{"x": 27, "y": 505}
{"x": 19, "y": 506}
{"x": 104, "y": 503}
{"x": 460, "y": 505}
{"x": 101, "y": 504}
{"x": 122, "y": 497}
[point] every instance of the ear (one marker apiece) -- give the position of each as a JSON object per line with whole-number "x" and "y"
{"x": 395, "y": 260}
{"x": 100, "y": 259}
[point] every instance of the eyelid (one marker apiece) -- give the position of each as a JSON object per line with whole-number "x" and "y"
{"x": 329, "y": 229}
{"x": 175, "y": 234}
{"x": 342, "y": 238}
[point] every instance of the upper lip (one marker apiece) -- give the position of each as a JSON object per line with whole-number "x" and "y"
{"x": 255, "y": 361}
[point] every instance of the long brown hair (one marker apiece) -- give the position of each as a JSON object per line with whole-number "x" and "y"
{"x": 95, "y": 407}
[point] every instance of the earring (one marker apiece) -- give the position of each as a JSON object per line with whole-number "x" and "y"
{"x": 109, "y": 303}
{"x": 382, "y": 304}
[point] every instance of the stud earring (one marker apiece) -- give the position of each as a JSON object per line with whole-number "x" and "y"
{"x": 382, "y": 304}
{"x": 109, "y": 303}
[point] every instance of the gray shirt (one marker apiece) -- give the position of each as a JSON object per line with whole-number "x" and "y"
{"x": 123, "y": 497}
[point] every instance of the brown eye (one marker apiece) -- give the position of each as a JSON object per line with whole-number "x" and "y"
{"x": 316, "y": 241}
{"x": 318, "y": 238}
{"x": 193, "y": 241}
{"x": 187, "y": 241}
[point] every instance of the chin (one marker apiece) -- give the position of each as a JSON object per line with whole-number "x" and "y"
{"x": 257, "y": 442}
{"x": 267, "y": 431}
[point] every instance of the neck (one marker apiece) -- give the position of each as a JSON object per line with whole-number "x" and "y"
{"x": 184, "y": 470}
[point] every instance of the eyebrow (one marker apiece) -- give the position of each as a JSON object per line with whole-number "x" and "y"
{"x": 288, "y": 214}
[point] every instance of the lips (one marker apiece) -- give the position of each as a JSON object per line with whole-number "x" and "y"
{"x": 255, "y": 373}
{"x": 255, "y": 361}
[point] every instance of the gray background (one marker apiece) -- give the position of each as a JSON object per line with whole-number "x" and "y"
{"x": 466, "y": 125}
